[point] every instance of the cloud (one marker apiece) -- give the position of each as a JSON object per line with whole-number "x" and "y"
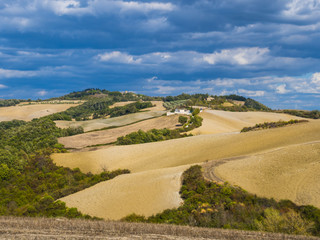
{"x": 251, "y": 93}
{"x": 238, "y": 56}
{"x": 281, "y": 89}
{"x": 42, "y": 93}
{"x": 2, "y": 86}
{"x": 118, "y": 57}
{"x": 98, "y": 7}
{"x": 315, "y": 78}
{"x": 6, "y": 73}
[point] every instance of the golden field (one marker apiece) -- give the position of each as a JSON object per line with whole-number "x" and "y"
{"x": 27, "y": 112}
{"x": 158, "y": 165}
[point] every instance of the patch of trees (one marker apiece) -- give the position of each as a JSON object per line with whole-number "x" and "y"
{"x": 129, "y": 108}
{"x": 315, "y": 114}
{"x": 211, "y": 204}
{"x": 170, "y": 105}
{"x": 156, "y": 135}
{"x": 253, "y": 104}
{"x": 153, "y": 135}
{"x": 235, "y": 97}
{"x": 30, "y": 183}
{"x": 268, "y": 125}
{"x": 9, "y": 102}
{"x": 92, "y": 93}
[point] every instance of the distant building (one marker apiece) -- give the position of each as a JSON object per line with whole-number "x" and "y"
{"x": 179, "y": 111}
{"x": 210, "y": 99}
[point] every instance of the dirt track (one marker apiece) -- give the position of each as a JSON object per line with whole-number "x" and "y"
{"x": 50, "y": 228}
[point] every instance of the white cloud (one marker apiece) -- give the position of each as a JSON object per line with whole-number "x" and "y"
{"x": 315, "y": 78}
{"x": 237, "y": 56}
{"x": 5, "y": 73}
{"x": 251, "y": 93}
{"x": 3, "y": 86}
{"x": 281, "y": 89}
{"x": 302, "y": 9}
{"x": 42, "y": 93}
{"x": 119, "y": 57}
{"x": 98, "y": 7}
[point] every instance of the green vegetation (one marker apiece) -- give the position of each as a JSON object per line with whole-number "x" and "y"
{"x": 153, "y": 135}
{"x": 93, "y": 93}
{"x": 183, "y": 119}
{"x": 9, "y": 102}
{"x": 175, "y": 104}
{"x": 156, "y": 135}
{"x": 30, "y": 183}
{"x": 315, "y": 114}
{"x": 210, "y": 204}
{"x": 267, "y": 125}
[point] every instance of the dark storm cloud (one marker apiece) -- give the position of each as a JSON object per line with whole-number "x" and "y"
{"x": 264, "y": 50}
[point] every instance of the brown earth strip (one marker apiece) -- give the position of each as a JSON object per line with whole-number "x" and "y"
{"x": 51, "y": 228}
{"x": 111, "y": 135}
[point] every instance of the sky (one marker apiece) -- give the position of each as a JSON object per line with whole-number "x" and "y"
{"x": 265, "y": 50}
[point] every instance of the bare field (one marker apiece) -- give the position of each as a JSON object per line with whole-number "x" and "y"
{"x": 28, "y": 112}
{"x": 143, "y": 193}
{"x": 197, "y": 149}
{"x": 216, "y": 121}
{"x": 290, "y": 172}
{"x": 95, "y": 124}
{"x": 57, "y": 228}
{"x": 111, "y": 135}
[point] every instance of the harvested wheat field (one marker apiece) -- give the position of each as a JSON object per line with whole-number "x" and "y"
{"x": 190, "y": 150}
{"x": 291, "y": 172}
{"x": 95, "y": 124}
{"x": 150, "y": 162}
{"x": 61, "y": 228}
{"x": 29, "y": 112}
{"x": 111, "y": 135}
{"x": 216, "y": 121}
{"x": 143, "y": 193}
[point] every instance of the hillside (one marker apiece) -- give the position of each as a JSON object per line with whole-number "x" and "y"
{"x": 112, "y": 182}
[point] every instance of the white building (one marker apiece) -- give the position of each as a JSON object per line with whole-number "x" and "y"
{"x": 179, "y": 111}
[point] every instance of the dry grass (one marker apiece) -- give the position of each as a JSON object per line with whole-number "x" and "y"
{"x": 28, "y": 112}
{"x": 144, "y": 193}
{"x": 50, "y": 228}
{"x": 215, "y": 121}
{"x": 111, "y": 135}
{"x": 121, "y": 104}
{"x": 95, "y": 124}
{"x": 290, "y": 172}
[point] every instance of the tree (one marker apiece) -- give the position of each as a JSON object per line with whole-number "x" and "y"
{"x": 183, "y": 119}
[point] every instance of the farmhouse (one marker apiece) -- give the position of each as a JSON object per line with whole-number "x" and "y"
{"x": 179, "y": 111}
